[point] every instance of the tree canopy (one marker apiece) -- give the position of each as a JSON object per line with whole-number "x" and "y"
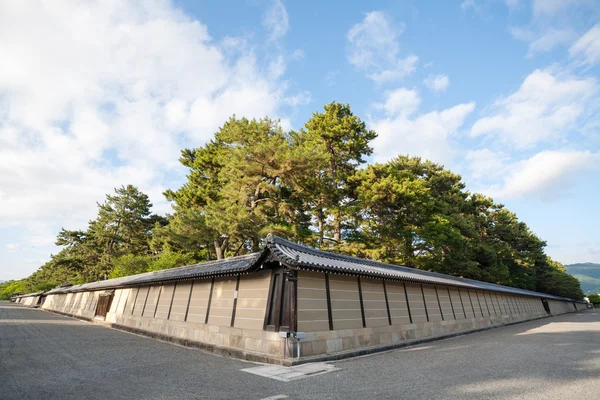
{"x": 311, "y": 185}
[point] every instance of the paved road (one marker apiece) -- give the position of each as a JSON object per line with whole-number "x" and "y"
{"x": 47, "y": 356}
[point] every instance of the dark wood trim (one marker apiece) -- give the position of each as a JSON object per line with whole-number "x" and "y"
{"x": 471, "y": 301}
{"x": 235, "y": 300}
{"x": 270, "y": 300}
{"x": 407, "y": 303}
{"x": 187, "y": 309}
{"x": 479, "y": 302}
{"x": 362, "y": 306}
{"x": 438, "y": 300}
{"x": 281, "y": 303}
{"x": 295, "y": 305}
{"x": 157, "y": 300}
{"x": 146, "y": 300}
{"x": 461, "y": 303}
{"x": 492, "y": 301}
{"x": 172, "y": 297}
{"x": 486, "y": 304}
{"x": 387, "y": 303}
{"x": 424, "y": 303}
{"x": 451, "y": 304}
{"x": 135, "y": 300}
{"x": 500, "y": 308}
{"x": 212, "y": 286}
{"x": 329, "y": 312}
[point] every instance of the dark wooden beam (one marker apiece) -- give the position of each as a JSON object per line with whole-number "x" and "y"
{"x": 329, "y": 312}
{"x": 362, "y": 306}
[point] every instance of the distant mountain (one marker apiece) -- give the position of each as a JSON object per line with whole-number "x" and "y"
{"x": 588, "y": 274}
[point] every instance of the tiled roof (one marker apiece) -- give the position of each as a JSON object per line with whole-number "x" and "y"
{"x": 228, "y": 266}
{"x": 302, "y": 257}
{"x": 305, "y": 257}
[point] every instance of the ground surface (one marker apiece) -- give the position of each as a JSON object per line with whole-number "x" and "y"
{"x": 47, "y": 356}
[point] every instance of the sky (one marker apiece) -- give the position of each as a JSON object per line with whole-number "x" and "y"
{"x": 99, "y": 94}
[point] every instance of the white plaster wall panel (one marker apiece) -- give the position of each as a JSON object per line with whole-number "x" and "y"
{"x": 199, "y": 301}
{"x": 431, "y": 300}
{"x": 397, "y": 302}
{"x": 140, "y": 300}
{"x": 457, "y": 304}
{"x": 374, "y": 303}
{"x": 415, "y": 300}
{"x": 221, "y": 306}
{"x": 164, "y": 303}
{"x": 445, "y": 303}
{"x": 312, "y": 302}
{"x": 151, "y": 301}
{"x": 180, "y": 300}
{"x": 251, "y": 305}
{"x": 345, "y": 302}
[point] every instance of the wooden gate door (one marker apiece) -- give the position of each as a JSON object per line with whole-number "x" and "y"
{"x": 104, "y": 301}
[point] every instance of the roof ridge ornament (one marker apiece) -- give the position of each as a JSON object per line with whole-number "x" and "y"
{"x": 270, "y": 238}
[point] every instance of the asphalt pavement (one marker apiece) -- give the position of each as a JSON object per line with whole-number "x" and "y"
{"x": 48, "y": 356}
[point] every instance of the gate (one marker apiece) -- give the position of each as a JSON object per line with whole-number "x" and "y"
{"x": 104, "y": 302}
{"x": 546, "y": 306}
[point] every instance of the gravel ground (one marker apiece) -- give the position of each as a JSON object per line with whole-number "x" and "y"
{"x": 47, "y": 356}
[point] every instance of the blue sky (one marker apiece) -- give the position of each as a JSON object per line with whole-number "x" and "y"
{"x": 94, "y": 95}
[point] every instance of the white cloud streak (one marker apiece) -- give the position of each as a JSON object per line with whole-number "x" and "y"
{"x": 374, "y": 49}
{"x": 437, "y": 83}
{"x": 587, "y": 47}
{"x": 276, "y": 20}
{"x": 543, "y": 109}
{"x": 425, "y": 135}
{"x": 547, "y": 175}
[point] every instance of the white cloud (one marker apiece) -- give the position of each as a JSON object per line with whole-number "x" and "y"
{"x": 545, "y": 108}
{"x": 485, "y": 164}
{"x": 297, "y": 54}
{"x": 546, "y": 175}
{"x": 425, "y": 135}
{"x": 331, "y": 77}
{"x": 12, "y": 246}
{"x": 437, "y": 83}
{"x": 400, "y": 102}
{"x": 299, "y": 99}
{"x": 552, "y": 7}
{"x": 374, "y": 49}
{"x": 587, "y": 47}
{"x": 466, "y": 4}
{"x": 512, "y": 3}
{"x": 545, "y": 41}
{"x": 96, "y": 95}
{"x": 276, "y": 20}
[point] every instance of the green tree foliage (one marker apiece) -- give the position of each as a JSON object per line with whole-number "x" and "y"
{"x": 309, "y": 185}
{"x": 239, "y": 188}
{"x": 338, "y": 142}
{"x": 9, "y": 288}
{"x": 594, "y": 299}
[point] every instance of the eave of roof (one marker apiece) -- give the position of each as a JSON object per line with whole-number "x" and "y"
{"x": 304, "y": 257}
{"x": 229, "y": 266}
{"x": 297, "y": 256}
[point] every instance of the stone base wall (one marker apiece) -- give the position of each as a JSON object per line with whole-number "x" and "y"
{"x": 262, "y": 342}
{"x": 329, "y": 342}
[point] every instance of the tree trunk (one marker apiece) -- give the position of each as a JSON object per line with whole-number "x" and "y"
{"x": 337, "y": 227}
{"x": 221, "y": 247}
{"x": 320, "y": 221}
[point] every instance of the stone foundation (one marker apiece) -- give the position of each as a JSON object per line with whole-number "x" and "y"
{"x": 331, "y": 342}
